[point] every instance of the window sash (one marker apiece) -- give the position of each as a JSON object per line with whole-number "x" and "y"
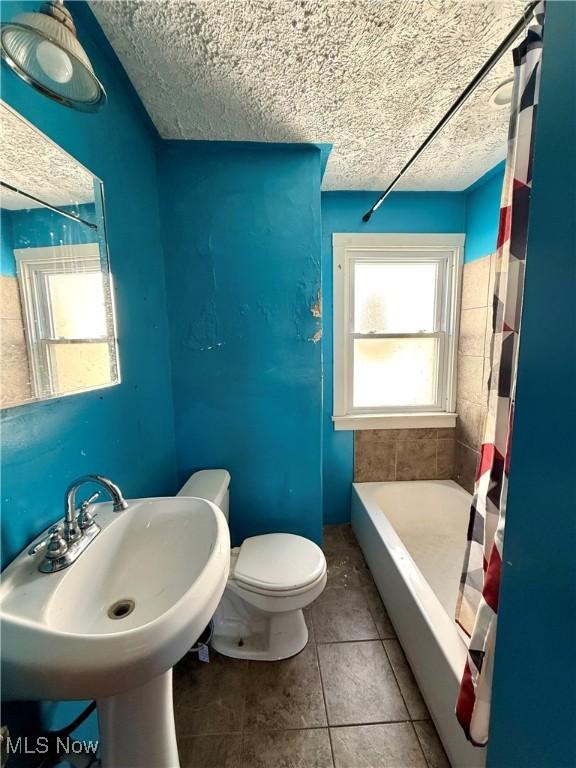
{"x": 439, "y": 293}
{"x": 440, "y": 321}
{"x": 445, "y": 252}
{"x": 33, "y": 274}
{"x": 437, "y": 405}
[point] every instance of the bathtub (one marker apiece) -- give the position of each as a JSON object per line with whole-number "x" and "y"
{"x": 413, "y": 536}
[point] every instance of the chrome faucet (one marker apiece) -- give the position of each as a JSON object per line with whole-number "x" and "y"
{"x": 66, "y": 541}
{"x": 73, "y": 519}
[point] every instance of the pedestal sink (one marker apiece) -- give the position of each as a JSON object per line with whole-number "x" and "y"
{"x": 112, "y": 625}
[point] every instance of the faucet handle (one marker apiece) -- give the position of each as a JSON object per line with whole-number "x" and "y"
{"x": 56, "y": 545}
{"x": 43, "y": 543}
{"x": 85, "y": 518}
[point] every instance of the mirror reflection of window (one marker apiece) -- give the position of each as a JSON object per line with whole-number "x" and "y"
{"x": 67, "y": 320}
{"x": 57, "y": 332}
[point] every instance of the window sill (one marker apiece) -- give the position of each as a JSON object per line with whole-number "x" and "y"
{"x": 394, "y": 421}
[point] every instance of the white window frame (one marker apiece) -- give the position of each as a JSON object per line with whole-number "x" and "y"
{"x": 446, "y": 250}
{"x": 34, "y": 266}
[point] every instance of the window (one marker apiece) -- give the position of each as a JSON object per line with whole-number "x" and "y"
{"x": 395, "y": 309}
{"x": 68, "y": 318}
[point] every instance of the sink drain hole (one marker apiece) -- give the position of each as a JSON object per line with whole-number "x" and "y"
{"x": 121, "y": 608}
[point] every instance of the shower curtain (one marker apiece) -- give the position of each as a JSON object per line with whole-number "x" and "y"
{"x": 477, "y": 606}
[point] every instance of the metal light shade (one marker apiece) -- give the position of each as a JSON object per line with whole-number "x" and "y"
{"x": 42, "y": 48}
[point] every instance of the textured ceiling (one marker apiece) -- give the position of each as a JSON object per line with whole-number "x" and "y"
{"x": 31, "y": 162}
{"x": 371, "y": 77}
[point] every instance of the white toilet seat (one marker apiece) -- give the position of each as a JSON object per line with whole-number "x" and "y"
{"x": 278, "y": 564}
{"x": 280, "y": 595}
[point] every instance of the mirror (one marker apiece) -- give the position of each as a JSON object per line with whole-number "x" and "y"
{"x": 57, "y": 330}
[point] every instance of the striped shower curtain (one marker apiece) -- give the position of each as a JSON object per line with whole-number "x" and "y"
{"x": 477, "y": 607}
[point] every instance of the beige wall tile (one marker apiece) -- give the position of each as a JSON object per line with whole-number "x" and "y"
{"x": 374, "y": 462}
{"x": 12, "y": 332}
{"x": 417, "y": 434}
{"x": 445, "y": 449}
{"x": 10, "y": 298}
{"x": 376, "y": 454}
{"x": 475, "y": 280}
{"x": 486, "y": 371}
{"x": 465, "y": 463}
{"x": 488, "y": 332}
{"x": 468, "y": 423}
{"x": 15, "y": 385}
{"x": 416, "y": 460}
{"x": 364, "y": 436}
{"x": 492, "y": 278}
{"x": 470, "y": 372}
{"x": 472, "y": 331}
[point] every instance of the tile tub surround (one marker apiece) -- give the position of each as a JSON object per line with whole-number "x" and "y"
{"x": 348, "y": 700}
{"x": 14, "y": 369}
{"x": 403, "y": 454}
{"x": 473, "y": 366}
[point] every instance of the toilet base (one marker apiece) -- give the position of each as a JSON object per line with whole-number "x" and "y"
{"x": 242, "y": 631}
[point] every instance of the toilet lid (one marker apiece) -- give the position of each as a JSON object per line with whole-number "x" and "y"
{"x": 279, "y": 562}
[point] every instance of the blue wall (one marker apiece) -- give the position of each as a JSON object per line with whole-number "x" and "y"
{"x": 7, "y": 261}
{"x": 126, "y": 431}
{"x": 533, "y": 723}
{"x": 241, "y": 226}
{"x": 45, "y": 445}
{"x": 482, "y": 213}
{"x": 40, "y": 227}
{"x": 342, "y": 212}
{"x": 35, "y": 227}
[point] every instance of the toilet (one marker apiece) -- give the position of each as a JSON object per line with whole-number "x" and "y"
{"x": 272, "y": 578}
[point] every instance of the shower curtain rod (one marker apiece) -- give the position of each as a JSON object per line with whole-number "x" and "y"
{"x": 470, "y": 88}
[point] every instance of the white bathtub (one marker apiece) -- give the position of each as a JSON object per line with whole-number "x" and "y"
{"x": 413, "y": 536}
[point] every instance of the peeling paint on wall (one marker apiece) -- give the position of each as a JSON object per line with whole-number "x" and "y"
{"x": 254, "y": 404}
{"x": 316, "y": 308}
{"x": 317, "y": 336}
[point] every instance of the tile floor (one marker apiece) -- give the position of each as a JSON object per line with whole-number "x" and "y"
{"x": 348, "y": 700}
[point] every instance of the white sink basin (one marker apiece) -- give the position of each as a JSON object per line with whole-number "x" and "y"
{"x": 168, "y": 557}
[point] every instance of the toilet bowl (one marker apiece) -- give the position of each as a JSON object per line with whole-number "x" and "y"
{"x": 273, "y": 577}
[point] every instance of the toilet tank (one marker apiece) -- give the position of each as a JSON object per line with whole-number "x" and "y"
{"x": 210, "y": 484}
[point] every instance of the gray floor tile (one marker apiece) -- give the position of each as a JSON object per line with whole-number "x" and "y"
{"x": 343, "y": 614}
{"x": 333, "y": 539}
{"x": 359, "y": 684}
{"x": 391, "y": 745}
{"x": 285, "y": 694}
{"x": 431, "y": 745}
{"x": 209, "y": 698}
{"x": 379, "y": 614}
{"x": 350, "y": 541}
{"x": 287, "y": 749}
{"x": 221, "y": 751}
{"x": 310, "y": 624}
{"x": 347, "y": 568}
{"x": 408, "y": 685}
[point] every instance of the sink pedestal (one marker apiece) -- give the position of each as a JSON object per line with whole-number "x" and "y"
{"x": 137, "y": 728}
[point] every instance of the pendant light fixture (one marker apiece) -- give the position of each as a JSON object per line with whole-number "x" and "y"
{"x": 41, "y": 47}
